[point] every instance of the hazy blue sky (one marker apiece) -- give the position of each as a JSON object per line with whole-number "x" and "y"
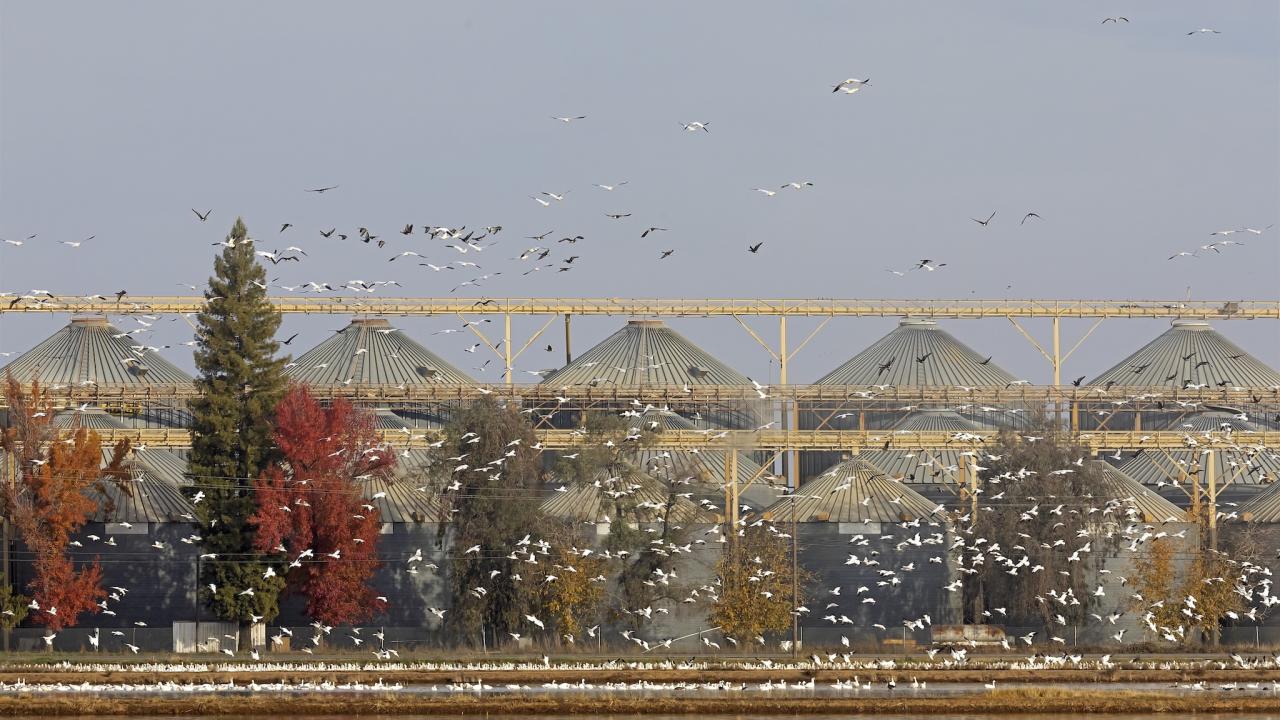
{"x": 1132, "y": 141}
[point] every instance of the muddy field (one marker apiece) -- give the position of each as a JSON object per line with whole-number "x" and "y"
{"x": 600, "y": 676}
{"x": 994, "y": 702}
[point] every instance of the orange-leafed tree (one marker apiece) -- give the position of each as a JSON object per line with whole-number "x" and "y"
{"x": 48, "y": 500}
{"x": 312, "y": 500}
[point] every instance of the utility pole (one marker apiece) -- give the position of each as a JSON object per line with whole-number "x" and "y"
{"x": 10, "y": 479}
{"x": 1211, "y": 478}
{"x": 795, "y": 581}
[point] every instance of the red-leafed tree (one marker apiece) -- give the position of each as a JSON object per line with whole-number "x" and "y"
{"x": 312, "y": 499}
{"x": 48, "y": 500}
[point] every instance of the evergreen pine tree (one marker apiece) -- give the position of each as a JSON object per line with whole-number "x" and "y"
{"x": 239, "y": 384}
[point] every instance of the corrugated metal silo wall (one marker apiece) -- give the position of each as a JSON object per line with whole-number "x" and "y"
{"x": 407, "y": 621}
{"x": 823, "y": 549}
{"x": 160, "y": 584}
{"x": 1118, "y": 598}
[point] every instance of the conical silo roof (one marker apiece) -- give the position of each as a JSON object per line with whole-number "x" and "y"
{"x": 153, "y": 493}
{"x": 706, "y": 468}
{"x": 384, "y": 419}
{"x": 1239, "y": 464}
{"x": 370, "y": 351}
{"x": 918, "y": 466}
{"x": 936, "y": 421}
{"x": 1126, "y": 496}
{"x": 852, "y": 491}
{"x": 594, "y": 502}
{"x": 1264, "y": 508}
{"x": 646, "y": 352}
{"x": 1189, "y": 352}
{"x": 89, "y": 418}
{"x": 1215, "y": 421}
{"x": 90, "y": 349}
{"x": 950, "y": 362}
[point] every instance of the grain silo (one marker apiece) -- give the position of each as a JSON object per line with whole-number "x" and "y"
{"x": 874, "y": 547}
{"x": 141, "y": 532}
{"x": 916, "y": 353}
{"x": 592, "y": 511}
{"x": 1123, "y": 512}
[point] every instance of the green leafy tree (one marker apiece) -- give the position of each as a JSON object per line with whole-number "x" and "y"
{"x": 239, "y": 384}
{"x": 13, "y": 610}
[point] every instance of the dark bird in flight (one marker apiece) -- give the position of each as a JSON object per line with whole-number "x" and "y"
{"x": 203, "y": 217}
{"x": 1078, "y": 380}
{"x": 984, "y": 223}
{"x": 987, "y": 361}
{"x": 1139, "y": 368}
{"x": 285, "y": 226}
{"x": 328, "y": 233}
{"x": 571, "y": 240}
{"x": 652, "y": 229}
{"x": 1188, "y": 356}
{"x": 484, "y": 302}
{"x": 323, "y": 189}
{"x": 543, "y": 236}
{"x": 120, "y": 294}
{"x": 1201, "y": 364}
{"x": 571, "y": 258}
{"x": 14, "y": 302}
{"x": 408, "y": 230}
{"x": 884, "y": 367}
{"x": 1117, "y": 20}
{"x": 1235, "y": 357}
{"x": 549, "y": 348}
{"x": 291, "y": 337}
{"x": 666, "y": 254}
{"x": 923, "y": 357}
{"x": 1171, "y": 377}
{"x": 617, "y": 216}
{"x": 755, "y": 248}
{"x": 1024, "y": 218}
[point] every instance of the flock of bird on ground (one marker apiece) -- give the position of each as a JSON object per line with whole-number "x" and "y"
{"x": 558, "y": 252}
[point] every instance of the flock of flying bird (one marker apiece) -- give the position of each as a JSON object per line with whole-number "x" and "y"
{"x": 881, "y": 559}
{"x": 838, "y": 605}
